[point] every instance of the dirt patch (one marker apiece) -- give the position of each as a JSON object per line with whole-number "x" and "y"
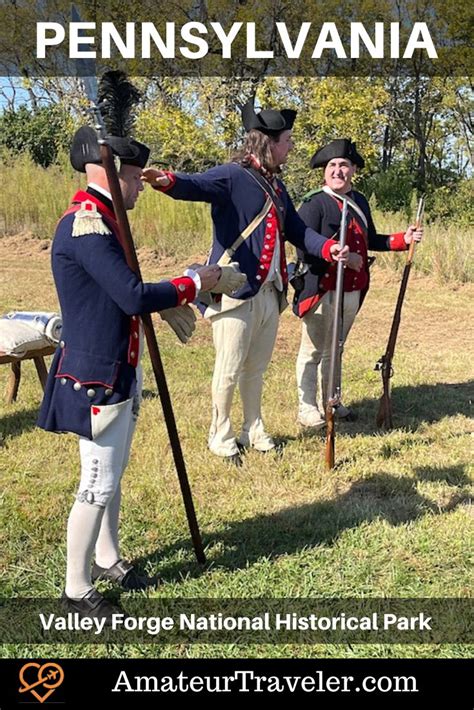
{"x": 24, "y": 244}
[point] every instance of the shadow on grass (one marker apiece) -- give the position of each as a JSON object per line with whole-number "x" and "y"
{"x": 413, "y": 406}
{"x": 16, "y": 423}
{"x": 384, "y": 496}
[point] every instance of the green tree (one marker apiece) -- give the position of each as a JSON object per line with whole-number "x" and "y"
{"x": 41, "y": 133}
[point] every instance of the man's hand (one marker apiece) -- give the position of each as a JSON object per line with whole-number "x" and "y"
{"x": 182, "y": 320}
{"x": 354, "y": 261}
{"x": 231, "y": 279}
{"x": 339, "y": 254}
{"x": 413, "y": 234}
{"x": 155, "y": 178}
{"x": 209, "y": 276}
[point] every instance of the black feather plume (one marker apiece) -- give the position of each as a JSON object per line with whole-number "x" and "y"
{"x": 117, "y": 98}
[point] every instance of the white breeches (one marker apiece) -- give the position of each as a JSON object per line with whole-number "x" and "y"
{"x": 312, "y": 364}
{"x": 243, "y": 339}
{"x": 104, "y": 459}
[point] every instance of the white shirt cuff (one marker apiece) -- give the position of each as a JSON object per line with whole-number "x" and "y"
{"x": 196, "y": 278}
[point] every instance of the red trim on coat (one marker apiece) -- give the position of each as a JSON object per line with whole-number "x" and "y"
{"x": 185, "y": 289}
{"x": 325, "y": 252}
{"x": 309, "y": 303}
{"x": 134, "y": 341}
{"x": 397, "y": 242}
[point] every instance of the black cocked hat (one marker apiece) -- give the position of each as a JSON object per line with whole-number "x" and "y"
{"x": 85, "y": 149}
{"x": 340, "y": 148}
{"x": 268, "y": 121}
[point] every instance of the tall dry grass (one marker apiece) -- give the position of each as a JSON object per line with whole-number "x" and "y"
{"x": 32, "y": 198}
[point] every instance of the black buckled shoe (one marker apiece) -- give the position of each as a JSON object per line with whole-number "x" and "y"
{"x": 94, "y": 604}
{"x": 125, "y": 574}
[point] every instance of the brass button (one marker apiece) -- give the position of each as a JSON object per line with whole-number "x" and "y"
{"x": 91, "y": 393}
{"x": 77, "y": 386}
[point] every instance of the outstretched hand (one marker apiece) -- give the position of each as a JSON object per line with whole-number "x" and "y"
{"x": 155, "y": 177}
{"x": 209, "y": 276}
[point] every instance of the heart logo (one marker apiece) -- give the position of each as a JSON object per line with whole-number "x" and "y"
{"x": 49, "y": 675}
{"x": 95, "y": 410}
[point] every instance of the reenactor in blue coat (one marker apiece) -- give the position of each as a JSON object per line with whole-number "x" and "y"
{"x": 94, "y": 384}
{"x": 252, "y": 216}
{"x": 315, "y": 279}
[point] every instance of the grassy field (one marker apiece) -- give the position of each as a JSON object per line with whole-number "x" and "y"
{"x": 394, "y": 519}
{"x": 184, "y": 228}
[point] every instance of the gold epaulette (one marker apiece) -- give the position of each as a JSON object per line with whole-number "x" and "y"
{"x": 88, "y": 220}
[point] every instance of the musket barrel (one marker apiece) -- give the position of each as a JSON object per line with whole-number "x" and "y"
{"x": 336, "y": 347}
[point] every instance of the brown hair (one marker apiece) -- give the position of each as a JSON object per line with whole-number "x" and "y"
{"x": 259, "y": 145}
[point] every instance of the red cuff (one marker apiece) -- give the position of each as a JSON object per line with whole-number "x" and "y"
{"x": 325, "y": 252}
{"x": 171, "y": 177}
{"x": 185, "y": 290}
{"x": 397, "y": 242}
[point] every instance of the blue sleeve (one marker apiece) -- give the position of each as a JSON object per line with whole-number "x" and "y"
{"x": 303, "y": 237}
{"x": 103, "y": 259}
{"x": 213, "y": 186}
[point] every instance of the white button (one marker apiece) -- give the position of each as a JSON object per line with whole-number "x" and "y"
{"x": 264, "y": 256}
{"x": 108, "y": 392}
{"x": 134, "y": 318}
{"x": 268, "y": 236}
{"x": 91, "y": 393}
{"x": 63, "y": 380}
{"x": 262, "y": 266}
{"x": 182, "y": 287}
{"x": 77, "y": 386}
{"x": 132, "y": 354}
{"x": 135, "y": 334}
{"x": 267, "y": 246}
{"x": 259, "y": 278}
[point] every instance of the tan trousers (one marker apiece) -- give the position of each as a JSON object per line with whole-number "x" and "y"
{"x": 243, "y": 339}
{"x": 312, "y": 364}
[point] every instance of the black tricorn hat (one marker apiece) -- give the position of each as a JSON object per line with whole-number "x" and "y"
{"x": 85, "y": 149}
{"x": 340, "y": 148}
{"x": 267, "y": 121}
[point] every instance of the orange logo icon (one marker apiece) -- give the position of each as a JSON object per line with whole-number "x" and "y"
{"x": 49, "y": 676}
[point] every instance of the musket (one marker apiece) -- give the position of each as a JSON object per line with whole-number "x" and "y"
{"x": 337, "y": 343}
{"x": 91, "y": 88}
{"x": 384, "y": 365}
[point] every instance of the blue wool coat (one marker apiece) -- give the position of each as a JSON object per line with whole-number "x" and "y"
{"x": 100, "y": 299}
{"x": 236, "y": 199}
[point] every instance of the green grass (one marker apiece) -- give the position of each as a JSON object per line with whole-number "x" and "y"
{"x": 394, "y": 519}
